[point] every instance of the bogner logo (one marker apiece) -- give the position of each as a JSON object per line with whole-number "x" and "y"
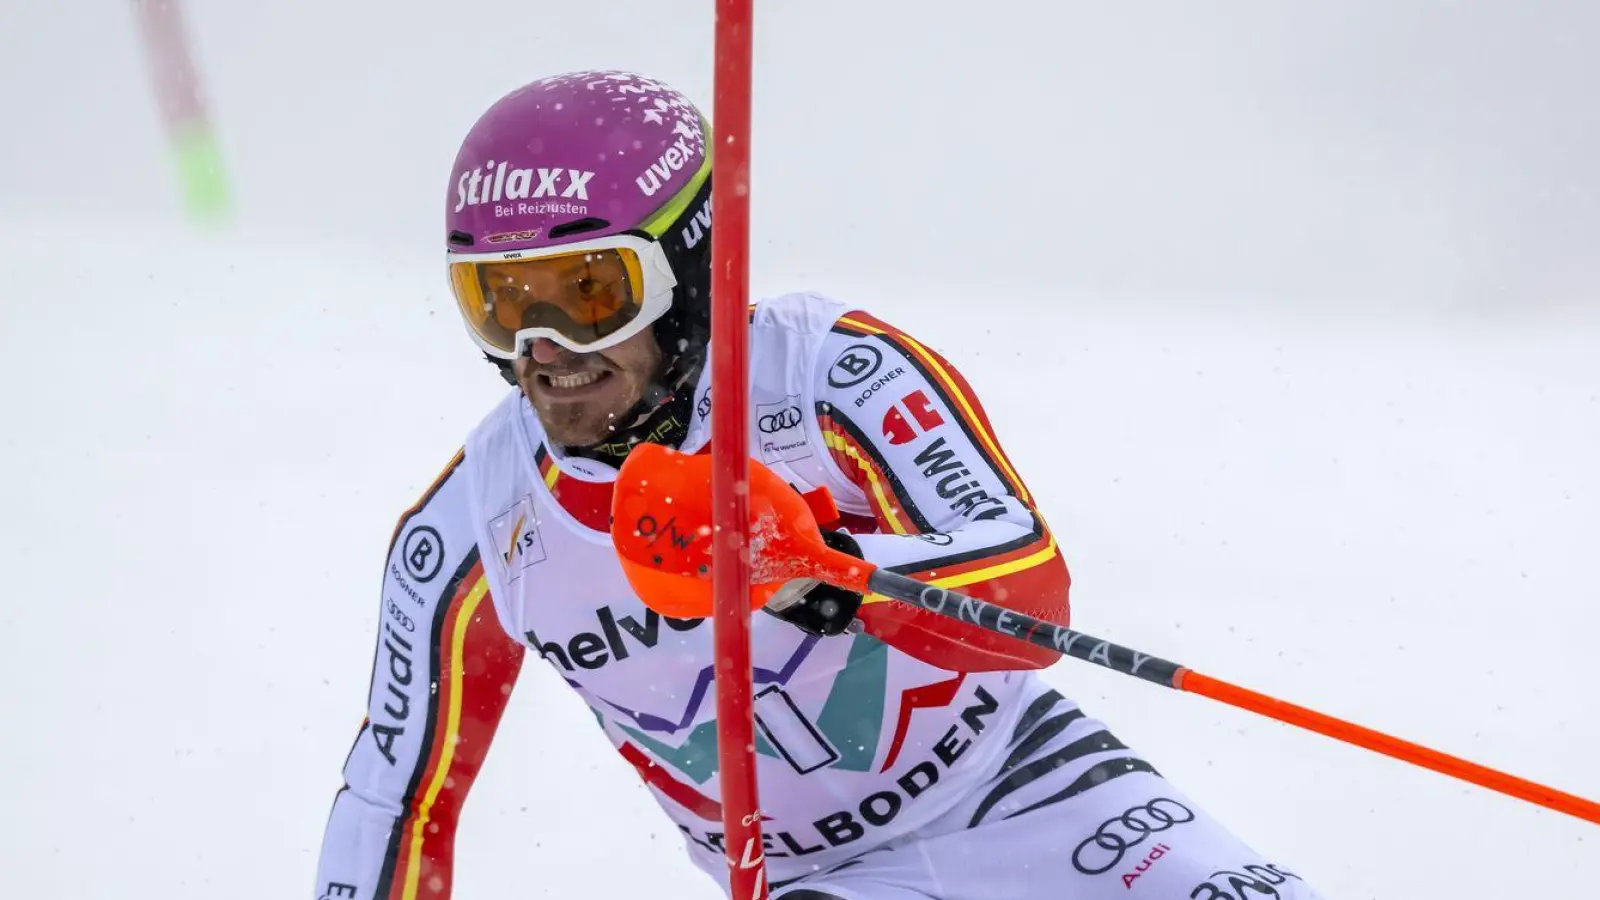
{"x": 494, "y": 183}
{"x": 665, "y": 166}
{"x": 587, "y": 650}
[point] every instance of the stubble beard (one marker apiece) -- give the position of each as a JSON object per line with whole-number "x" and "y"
{"x": 580, "y": 424}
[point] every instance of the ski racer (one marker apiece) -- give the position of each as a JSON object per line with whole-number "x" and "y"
{"x": 917, "y": 759}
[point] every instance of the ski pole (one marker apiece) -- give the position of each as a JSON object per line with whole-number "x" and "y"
{"x": 661, "y": 517}
{"x": 1166, "y": 673}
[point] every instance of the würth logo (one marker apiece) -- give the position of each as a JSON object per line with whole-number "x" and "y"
{"x": 899, "y": 430}
{"x": 953, "y": 480}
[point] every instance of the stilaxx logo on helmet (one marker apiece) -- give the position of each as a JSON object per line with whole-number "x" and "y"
{"x": 494, "y": 183}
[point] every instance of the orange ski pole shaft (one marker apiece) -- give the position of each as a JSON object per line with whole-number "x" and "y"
{"x": 1196, "y": 683}
{"x": 1166, "y": 673}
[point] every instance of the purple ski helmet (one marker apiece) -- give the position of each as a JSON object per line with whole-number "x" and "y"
{"x": 604, "y": 170}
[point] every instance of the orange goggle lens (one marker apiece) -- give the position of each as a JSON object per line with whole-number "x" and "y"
{"x": 585, "y": 296}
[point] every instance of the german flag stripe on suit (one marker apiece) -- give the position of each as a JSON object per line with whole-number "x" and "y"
{"x": 438, "y": 482}
{"x": 1025, "y": 573}
{"x": 891, "y": 504}
{"x": 473, "y": 663}
{"x": 952, "y": 388}
{"x": 896, "y": 511}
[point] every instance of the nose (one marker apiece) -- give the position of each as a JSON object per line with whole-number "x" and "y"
{"x": 544, "y": 351}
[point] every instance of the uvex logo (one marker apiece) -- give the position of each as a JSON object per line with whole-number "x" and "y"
{"x": 494, "y": 183}
{"x": 662, "y": 170}
{"x": 898, "y": 430}
{"x": 697, "y": 228}
{"x": 587, "y": 650}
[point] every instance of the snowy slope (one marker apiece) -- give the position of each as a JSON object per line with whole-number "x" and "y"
{"x": 1286, "y": 314}
{"x": 1391, "y": 524}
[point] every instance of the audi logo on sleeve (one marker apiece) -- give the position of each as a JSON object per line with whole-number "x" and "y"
{"x": 781, "y": 424}
{"x": 782, "y": 420}
{"x": 1103, "y": 850}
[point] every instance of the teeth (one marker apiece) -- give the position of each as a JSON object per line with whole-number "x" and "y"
{"x": 572, "y": 381}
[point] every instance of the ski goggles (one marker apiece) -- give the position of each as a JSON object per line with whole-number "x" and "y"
{"x": 585, "y": 296}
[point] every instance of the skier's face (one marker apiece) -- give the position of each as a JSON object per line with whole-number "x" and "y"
{"x": 581, "y": 397}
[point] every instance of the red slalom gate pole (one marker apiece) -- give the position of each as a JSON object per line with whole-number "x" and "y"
{"x": 730, "y": 368}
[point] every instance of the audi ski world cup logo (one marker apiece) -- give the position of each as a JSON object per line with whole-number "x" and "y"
{"x": 423, "y": 553}
{"x": 1104, "y": 850}
{"x": 782, "y": 420}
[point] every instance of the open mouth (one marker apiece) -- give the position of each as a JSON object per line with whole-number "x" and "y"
{"x": 573, "y": 383}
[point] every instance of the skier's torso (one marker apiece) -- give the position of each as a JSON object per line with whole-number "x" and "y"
{"x": 861, "y": 739}
{"x": 857, "y": 742}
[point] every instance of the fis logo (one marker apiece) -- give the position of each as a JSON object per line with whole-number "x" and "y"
{"x": 494, "y": 183}
{"x": 516, "y": 538}
{"x": 901, "y": 431}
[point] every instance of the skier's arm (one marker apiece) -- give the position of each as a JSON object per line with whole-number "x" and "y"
{"x": 906, "y": 429}
{"x": 441, "y": 677}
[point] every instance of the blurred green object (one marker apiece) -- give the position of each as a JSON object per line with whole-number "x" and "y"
{"x": 200, "y": 173}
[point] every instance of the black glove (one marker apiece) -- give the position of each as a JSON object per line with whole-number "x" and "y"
{"x": 813, "y": 606}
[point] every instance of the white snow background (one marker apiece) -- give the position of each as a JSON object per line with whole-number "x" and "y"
{"x": 1287, "y": 315}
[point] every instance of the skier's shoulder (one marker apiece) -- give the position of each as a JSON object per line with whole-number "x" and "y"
{"x": 432, "y": 538}
{"x": 842, "y": 322}
{"x": 440, "y": 512}
{"x": 826, "y": 324}
{"x": 807, "y": 312}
